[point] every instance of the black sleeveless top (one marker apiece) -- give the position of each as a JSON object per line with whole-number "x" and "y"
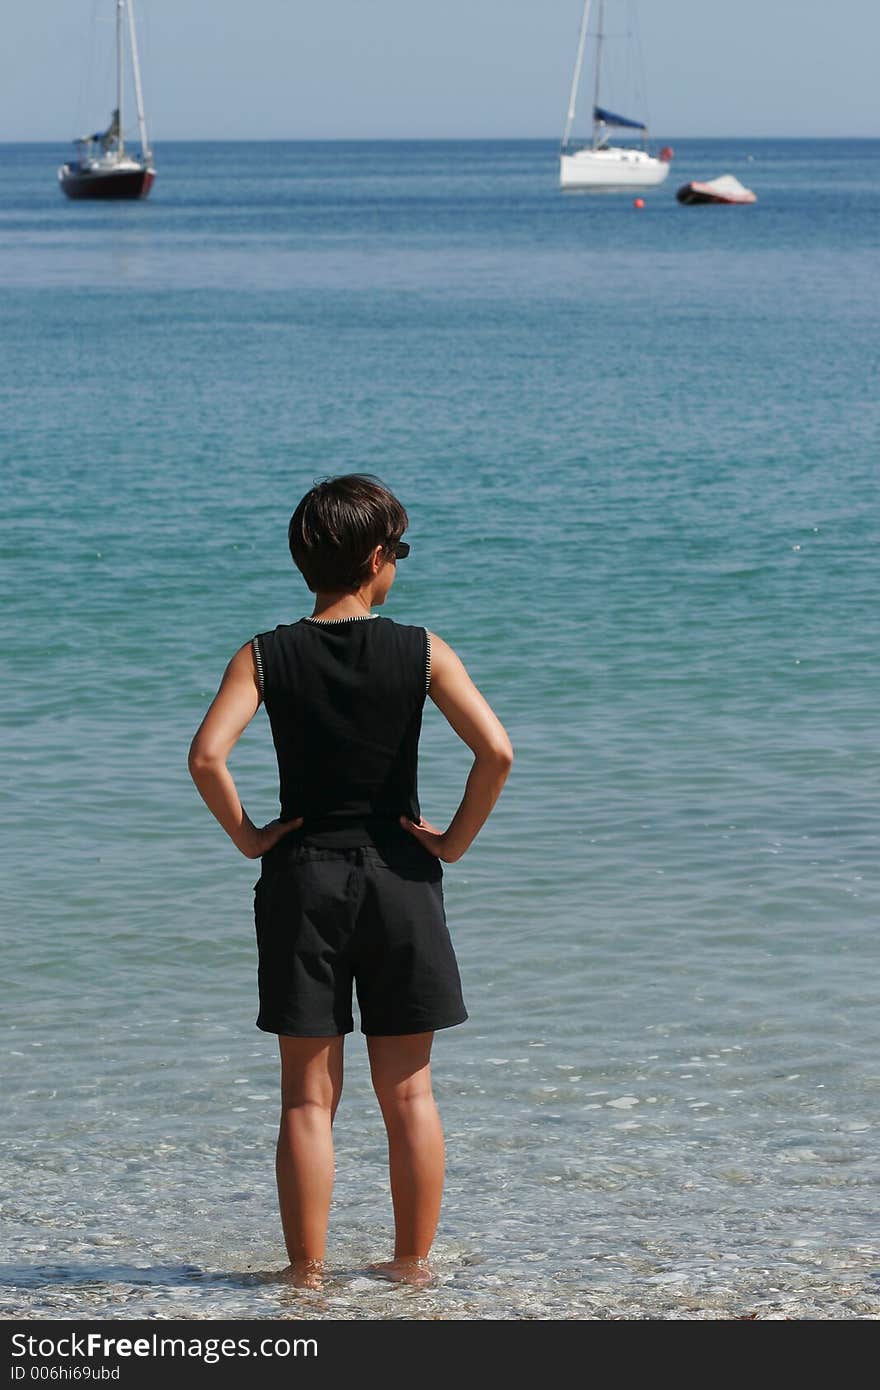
{"x": 344, "y": 698}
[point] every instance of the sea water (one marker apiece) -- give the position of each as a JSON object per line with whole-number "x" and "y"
{"x": 638, "y": 449}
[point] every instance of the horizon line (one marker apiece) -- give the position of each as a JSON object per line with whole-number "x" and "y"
{"x": 419, "y": 139}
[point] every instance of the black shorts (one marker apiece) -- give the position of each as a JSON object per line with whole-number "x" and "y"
{"x": 373, "y": 916}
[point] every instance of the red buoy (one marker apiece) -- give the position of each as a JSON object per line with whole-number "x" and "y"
{"x": 638, "y": 202}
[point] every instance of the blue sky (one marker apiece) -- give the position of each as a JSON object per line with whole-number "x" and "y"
{"x": 286, "y": 69}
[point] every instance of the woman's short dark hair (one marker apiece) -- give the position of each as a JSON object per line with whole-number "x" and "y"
{"x": 338, "y": 525}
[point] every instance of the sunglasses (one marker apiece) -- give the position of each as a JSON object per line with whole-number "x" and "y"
{"x": 401, "y": 550}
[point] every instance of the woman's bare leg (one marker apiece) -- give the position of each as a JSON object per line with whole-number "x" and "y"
{"x": 311, "y": 1084}
{"x": 401, "y": 1073}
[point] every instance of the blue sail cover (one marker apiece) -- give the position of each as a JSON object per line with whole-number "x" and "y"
{"x": 609, "y": 118}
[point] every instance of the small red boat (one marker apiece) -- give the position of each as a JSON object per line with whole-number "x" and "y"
{"x": 725, "y": 189}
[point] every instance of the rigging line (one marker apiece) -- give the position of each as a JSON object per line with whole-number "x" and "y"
{"x": 640, "y": 56}
{"x": 108, "y": 83}
{"x": 629, "y": 72}
{"x": 576, "y": 77}
{"x": 600, "y": 38}
{"x": 145, "y": 39}
{"x": 616, "y": 69}
{"x": 613, "y": 70}
{"x": 101, "y": 62}
{"x": 136, "y": 80}
{"x": 86, "y": 73}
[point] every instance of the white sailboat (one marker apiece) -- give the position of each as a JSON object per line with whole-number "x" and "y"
{"x": 105, "y": 168}
{"x": 601, "y": 165}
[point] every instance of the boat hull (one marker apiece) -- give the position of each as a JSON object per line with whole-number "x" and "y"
{"x": 81, "y": 183}
{"x": 611, "y": 170}
{"x": 690, "y": 193}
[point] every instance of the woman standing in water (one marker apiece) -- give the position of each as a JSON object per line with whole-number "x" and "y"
{"x": 350, "y": 890}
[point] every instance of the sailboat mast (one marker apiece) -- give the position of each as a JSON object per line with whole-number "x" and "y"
{"x": 599, "y": 37}
{"x": 138, "y": 92}
{"x": 120, "y": 142}
{"x": 575, "y": 81}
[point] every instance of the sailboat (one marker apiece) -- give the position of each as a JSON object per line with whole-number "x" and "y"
{"x": 104, "y": 168}
{"x": 601, "y": 165}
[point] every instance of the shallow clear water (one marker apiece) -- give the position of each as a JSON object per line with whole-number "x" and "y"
{"x": 638, "y": 450}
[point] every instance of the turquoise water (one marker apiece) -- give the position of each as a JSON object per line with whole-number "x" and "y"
{"x": 639, "y": 454}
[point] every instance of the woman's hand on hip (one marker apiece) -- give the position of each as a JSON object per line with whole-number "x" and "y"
{"x": 430, "y": 837}
{"x": 265, "y": 838}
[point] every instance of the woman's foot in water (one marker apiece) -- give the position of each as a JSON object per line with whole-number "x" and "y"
{"x": 304, "y": 1274}
{"x": 407, "y": 1269}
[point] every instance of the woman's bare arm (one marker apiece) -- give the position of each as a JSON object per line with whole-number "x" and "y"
{"x": 231, "y": 710}
{"x": 477, "y": 725}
